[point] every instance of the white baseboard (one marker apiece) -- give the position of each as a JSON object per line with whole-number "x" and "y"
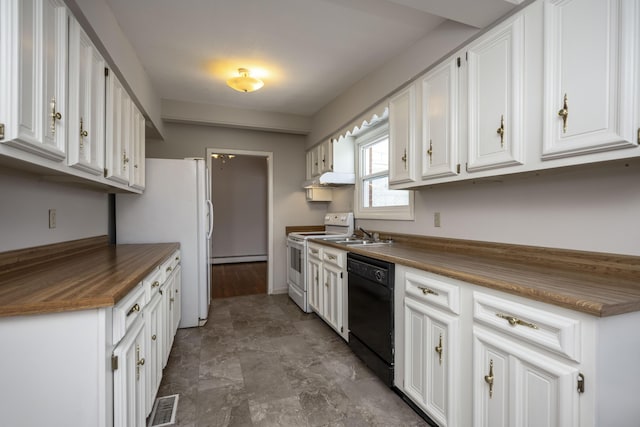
{"x": 235, "y": 259}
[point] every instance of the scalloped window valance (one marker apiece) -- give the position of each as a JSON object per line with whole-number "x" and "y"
{"x": 364, "y": 121}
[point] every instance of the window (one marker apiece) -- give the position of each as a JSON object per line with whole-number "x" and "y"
{"x": 374, "y": 199}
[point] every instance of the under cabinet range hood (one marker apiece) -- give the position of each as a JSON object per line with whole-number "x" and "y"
{"x": 330, "y": 179}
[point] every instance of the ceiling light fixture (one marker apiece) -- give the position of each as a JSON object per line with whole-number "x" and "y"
{"x": 245, "y": 83}
{"x": 223, "y": 157}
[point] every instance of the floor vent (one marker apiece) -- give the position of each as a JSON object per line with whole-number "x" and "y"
{"x": 164, "y": 411}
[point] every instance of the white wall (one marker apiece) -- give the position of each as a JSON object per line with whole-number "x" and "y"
{"x": 380, "y": 83}
{"x": 593, "y": 210}
{"x": 290, "y": 206}
{"x": 239, "y": 195}
{"x": 98, "y": 20}
{"x": 24, "y": 211}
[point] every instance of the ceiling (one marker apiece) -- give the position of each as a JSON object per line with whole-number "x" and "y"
{"x": 306, "y": 51}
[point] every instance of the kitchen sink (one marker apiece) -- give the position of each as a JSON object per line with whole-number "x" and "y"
{"x": 362, "y": 242}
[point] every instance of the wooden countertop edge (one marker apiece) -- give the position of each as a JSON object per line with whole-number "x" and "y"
{"x": 109, "y": 298}
{"x": 26, "y": 257}
{"x": 565, "y": 300}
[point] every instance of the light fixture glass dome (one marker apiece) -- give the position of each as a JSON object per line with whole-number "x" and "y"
{"x": 244, "y": 83}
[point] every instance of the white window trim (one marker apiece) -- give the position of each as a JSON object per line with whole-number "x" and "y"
{"x": 387, "y": 212}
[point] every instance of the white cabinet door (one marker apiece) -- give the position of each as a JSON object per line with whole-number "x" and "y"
{"x": 591, "y": 65}
{"x": 440, "y": 121}
{"x": 333, "y": 287}
{"x": 137, "y": 177}
{"x": 167, "y": 318}
{"x": 118, "y": 131}
{"x": 34, "y": 76}
{"x": 129, "y": 379}
{"x": 515, "y": 386}
{"x": 495, "y": 63}
{"x": 431, "y": 352}
{"x": 86, "y": 102}
{"x": 314, "y": 284}
{"x": 402, "y": 136}
{"x": 153, "y": 324}
{"x": 176, "y": 299}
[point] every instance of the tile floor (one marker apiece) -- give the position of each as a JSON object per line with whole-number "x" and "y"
{"x": 261, "y": 361}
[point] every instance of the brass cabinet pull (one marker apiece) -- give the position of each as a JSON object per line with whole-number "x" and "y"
{"x": 430, "y": 152}
{"x": 169, "y": 269}
{"x": 177, "y": 258}
{"x": 326, "y": 284}
{"x": 513, "y": 321}
{"x": 439, "y": 349}
{"x": 134, "y": 309}
{"x": 404, "y": 158}
{"x": 172, "y": 299}
{"x": 125, "y": 159}
{"x": 428, "y": 291}
{"x": 154, "y": 337}
{"x": 501, "y": 131}
{"x": 139, "y": 362}
{"x": 83, "y": 132}
{"x": 314, "y": 251}
{"x": 489, "y": 379}
{"x": 564, "y": 113}
{"x": 155, "y": 284}
{"x": 55, "y": 115}
{"x": 333, "y": 257}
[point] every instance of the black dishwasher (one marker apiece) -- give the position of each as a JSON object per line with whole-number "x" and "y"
{"x": 371, "y": 313}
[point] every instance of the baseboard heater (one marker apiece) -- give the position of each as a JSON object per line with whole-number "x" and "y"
{"x": 238, "y": 259}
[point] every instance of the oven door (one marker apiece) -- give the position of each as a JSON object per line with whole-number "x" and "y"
{"x": 296, "y": 278}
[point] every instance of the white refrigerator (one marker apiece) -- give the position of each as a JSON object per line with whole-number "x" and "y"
{"x": 175, "y": 207}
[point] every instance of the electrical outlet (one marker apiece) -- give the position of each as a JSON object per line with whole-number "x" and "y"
{"x": 52, "y": 218}
{"x": 436, "y": 219}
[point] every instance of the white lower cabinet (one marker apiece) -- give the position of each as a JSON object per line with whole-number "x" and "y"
{"x": 471, "y": 356}
{"x": 129, "y": 379}
{"x": 153, "y": 323}
{"x": 314, "y": 272}
{"x": 431, "y": 345}
{"x": 326, "y": 286}
{"x": 514, "y": 385}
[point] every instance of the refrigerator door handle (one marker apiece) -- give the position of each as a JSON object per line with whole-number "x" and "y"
{"x": 210, "y": 219}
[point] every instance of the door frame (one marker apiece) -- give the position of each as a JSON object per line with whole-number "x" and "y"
{"x": 269, "y": 156}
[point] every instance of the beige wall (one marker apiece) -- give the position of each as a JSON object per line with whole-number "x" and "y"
{"x": 289, "y": 204}
{"x": 24, "y": 211}
{"x": 239, "y": 196}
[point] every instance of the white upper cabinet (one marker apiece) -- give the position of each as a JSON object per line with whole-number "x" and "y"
{"x": 591, "y": 83}
{"x": 440, "y": 121}
{"x": 118, "y": 135}
{"x": 86, "y": 102}
{"x": 495, "y": 70}
{"x": 402, "y": 136}
{"x": 33, "y": 48}
{"x": 137, "y": 171}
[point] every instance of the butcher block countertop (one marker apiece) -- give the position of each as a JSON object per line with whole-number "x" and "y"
{"x": 81, "y": 274}
{"x": 594, "y": 283}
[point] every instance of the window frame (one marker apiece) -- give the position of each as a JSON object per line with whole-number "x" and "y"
{"x": 364, "y": 139}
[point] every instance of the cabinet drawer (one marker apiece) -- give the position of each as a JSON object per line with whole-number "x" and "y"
{"x": 127, "y": 310}
{"x": 170, "y": 264}
{"x": 152, "y": 283}
{"x": 433, "y": 290}
{"x": 315, "y": 252}
{"x": 335, "y": 257}
{"x": 545, "y": 329}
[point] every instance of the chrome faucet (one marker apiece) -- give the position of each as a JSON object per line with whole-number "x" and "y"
{"x": 366, "y": 233}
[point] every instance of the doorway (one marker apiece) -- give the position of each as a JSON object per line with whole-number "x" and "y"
{"x": 242, "y": 241}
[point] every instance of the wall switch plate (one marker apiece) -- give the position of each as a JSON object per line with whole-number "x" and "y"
{"x": 52, "y": 218}
{"x": 436, "y": 219}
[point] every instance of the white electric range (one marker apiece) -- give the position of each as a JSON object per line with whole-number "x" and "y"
{"x": 337, "y": 224}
